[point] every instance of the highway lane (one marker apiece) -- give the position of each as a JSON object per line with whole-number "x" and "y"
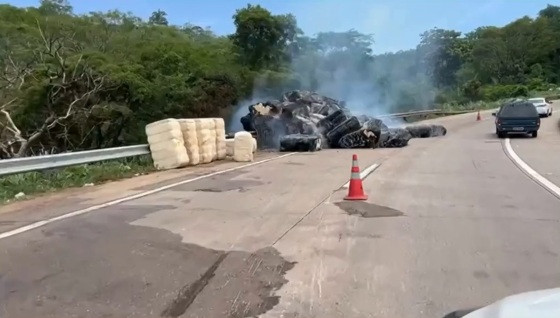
{"x": 151, "y": 256}
{"x": 22, "y": 213}
{"x": 543, "y": 155}
{"x": 274, "y": 239}
{"x": 474, "y": 229}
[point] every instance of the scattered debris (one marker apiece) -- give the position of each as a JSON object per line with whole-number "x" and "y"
{"x": 19, "y": 195}
{"x": 300, "y": 142}
{"x": 425, "y": 131}
{"x": 91, "y": 184}
{"x": 307, "y": 121}
{"x": 394, "y": 138}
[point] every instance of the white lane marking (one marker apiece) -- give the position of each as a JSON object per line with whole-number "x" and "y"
{"x": 129, "y": 198}
{"x": 366, "y": 172}
{"x": 544, "y": 182}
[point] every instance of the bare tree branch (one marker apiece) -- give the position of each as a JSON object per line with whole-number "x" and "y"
{"x": 47, "y": 46}
{"x": 8, "y": 104}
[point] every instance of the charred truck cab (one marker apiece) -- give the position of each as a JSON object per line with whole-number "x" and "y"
{"x": 519, "y": 117}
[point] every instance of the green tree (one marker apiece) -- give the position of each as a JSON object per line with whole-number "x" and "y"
{"x": 552, "y": 15}
{"x": 442, "y": 53}
{"x": 55, "y": 7}
{"x": 262, "y": 38}
{"x": 158, "y": 17}
{"x": 506, "y": 55}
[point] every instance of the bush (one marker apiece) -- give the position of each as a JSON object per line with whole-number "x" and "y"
{"x": 537, "y": 84}
{"x": 472, "y": 90}
{"x": 496, "y": 92}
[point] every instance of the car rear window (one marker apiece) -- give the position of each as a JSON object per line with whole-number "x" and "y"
{"x": 518, "y": 110}
{"x": 536, "y": 100}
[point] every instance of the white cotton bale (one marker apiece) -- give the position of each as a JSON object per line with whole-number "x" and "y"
{"x": 221, "y": 151}
{"x": 166, "y": 144}
{"x": 206, "y": 139}
{"x": 188, "y": 128}
{"x": 254, "y": 145}
{"x": 229, "y": 146}
{"x": 164, "y": 161}
{"x": 163, "y": 155}
{"x": 165, "y": 136}
{"x": 243, "y": 147}
{"x": 213, "y": 136}
{"x": 163, "y": 125}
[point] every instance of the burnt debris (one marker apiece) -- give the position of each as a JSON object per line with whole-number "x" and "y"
{"x": 307, "y": 121}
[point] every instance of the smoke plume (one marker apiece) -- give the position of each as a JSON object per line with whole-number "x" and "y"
{"x": 340, "y": 65}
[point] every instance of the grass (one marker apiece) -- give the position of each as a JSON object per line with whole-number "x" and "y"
{"x": 76, "y": 176}
{"x": 483, "y": 105}
{"x": 552, "y": 94}
{"x": 478, "y": 105}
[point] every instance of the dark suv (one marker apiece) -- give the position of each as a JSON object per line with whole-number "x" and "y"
{"x": 519, "y": 117}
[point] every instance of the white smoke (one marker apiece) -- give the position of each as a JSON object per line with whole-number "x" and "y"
{"x": 387, "y": 83}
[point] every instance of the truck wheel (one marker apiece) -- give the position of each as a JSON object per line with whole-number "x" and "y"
{"x": 534, "y": 134}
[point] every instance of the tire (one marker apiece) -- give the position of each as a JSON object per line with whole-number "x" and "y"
{"x": 535, "y": 134}
{"x": 350, "y": 125}
{"x": 501, "y": 134}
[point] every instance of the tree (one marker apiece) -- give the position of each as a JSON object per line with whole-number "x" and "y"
{"x": 550, "y": 12}
{"x": 63, "y": 92}
{"x": 158, "y": 17}
{"x": 50, "y": 7}
{"x": 552, "y": 15}
{"x": 261, "y": 38}
{"x": 506, "y": 55}
{"x": 442, "y": 54}
{"x": 350, "y": 50}
{"x": 349, "y": 41}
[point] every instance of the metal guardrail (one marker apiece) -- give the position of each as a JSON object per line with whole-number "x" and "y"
{"x": 27, "y": 164}
{"x": 424, "y": 113}
{"x": 37, "y": 163}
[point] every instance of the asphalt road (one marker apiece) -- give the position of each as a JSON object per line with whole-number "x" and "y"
{"x": 450, "y": 223}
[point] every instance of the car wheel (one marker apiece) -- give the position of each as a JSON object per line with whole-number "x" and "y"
{"x": 535, "y": 134}
{"x": 501, "y": 134}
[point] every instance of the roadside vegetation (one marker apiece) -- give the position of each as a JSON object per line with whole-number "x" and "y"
{"x": 77, "y": 82}
{"x": 32, "y": 183}
{"x": 71, "y": 82}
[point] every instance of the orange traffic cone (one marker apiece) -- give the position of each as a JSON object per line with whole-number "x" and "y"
{"x": 355, "y": 190}
{"x": 478, "y": 118}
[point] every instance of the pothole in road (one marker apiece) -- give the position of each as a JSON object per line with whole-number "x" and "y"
{"x": 367, "y": 210}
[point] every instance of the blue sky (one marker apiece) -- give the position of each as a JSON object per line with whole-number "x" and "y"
{"x": 395, "y": 24}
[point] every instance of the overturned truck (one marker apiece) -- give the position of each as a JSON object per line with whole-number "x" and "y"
{"x": 307, "y": 121}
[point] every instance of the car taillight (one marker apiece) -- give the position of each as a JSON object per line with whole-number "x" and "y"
{"x": 498, "y": 122}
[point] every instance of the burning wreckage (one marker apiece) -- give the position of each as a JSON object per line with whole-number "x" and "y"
{"x": 307, "y": 121}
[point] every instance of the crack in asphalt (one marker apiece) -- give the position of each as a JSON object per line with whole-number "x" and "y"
{"x": 188, "y": 293}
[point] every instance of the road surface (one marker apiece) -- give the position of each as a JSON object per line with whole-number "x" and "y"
{"x": 451, "y": 223}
